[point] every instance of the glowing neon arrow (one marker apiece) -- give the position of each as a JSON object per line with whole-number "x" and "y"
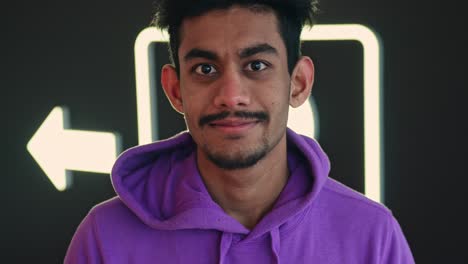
{"x": 58, "y": 150}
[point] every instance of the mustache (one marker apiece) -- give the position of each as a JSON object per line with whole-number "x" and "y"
{"x": 261, "y": 116}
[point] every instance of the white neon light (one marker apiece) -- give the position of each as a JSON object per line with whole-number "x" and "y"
{"x": 58, "y": 149}
{"x": 304, "y": 119}
{"x": 145, "y": 88}
{"x": 373, "y": 173}
{"x": 303, "y": 122}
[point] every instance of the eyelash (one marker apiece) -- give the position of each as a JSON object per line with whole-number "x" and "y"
{"x": 265, "y": 65}
{"x": 197, "y": 67}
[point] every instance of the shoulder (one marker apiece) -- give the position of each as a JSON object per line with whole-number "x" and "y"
{"x": 345, "y": 207}
{"x": 106, "y": 217}
{"x": 109, "y": 207}
{"x": 111, "y": 212}
{"x": 348, "y": 219}
{"x": 370, "y": 220}
{"x": 112, "y": 220}
{"x": 338, "y": 192}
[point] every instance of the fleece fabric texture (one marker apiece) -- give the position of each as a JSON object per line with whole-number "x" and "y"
{"x": 164, "y": 214}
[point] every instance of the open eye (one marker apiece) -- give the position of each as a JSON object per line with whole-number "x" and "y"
{"x": 205, "y": 69}
{"x": 256, "y": 66}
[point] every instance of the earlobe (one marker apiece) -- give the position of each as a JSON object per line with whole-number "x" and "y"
{"x": 302, "y": 80}
{"x": 171, "y": 85}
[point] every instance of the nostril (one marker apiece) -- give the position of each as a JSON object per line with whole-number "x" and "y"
{"x": 231, "y": 101}
{"x": 231, "y": 91}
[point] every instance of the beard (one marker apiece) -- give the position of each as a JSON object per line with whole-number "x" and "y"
{"x": 235, "y": 161}
{"x": 235, "y": 156}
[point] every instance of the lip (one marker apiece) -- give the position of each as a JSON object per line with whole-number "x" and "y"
{"x": 233, "y": 126}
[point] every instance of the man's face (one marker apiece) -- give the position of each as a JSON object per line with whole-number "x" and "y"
{"x": 234, "y": 85}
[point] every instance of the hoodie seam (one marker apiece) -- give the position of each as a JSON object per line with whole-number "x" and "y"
{"x": 376, "y": 205}
{"x": 285, "y": 232}
{"x": 387, "y": 243}
{"x": 96, "y": 234}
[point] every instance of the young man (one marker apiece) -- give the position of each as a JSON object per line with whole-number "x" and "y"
{"x": 239, "y": 187}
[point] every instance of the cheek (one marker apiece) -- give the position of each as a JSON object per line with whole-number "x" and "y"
{"x": 190, "y": 115}
{"x": 279, "y": 98}
{"x": 192, "y": 124}
{"x": 194, "y": 110}
{"x": 194, "y": 97}
{"x": 279, "y": 105}
{"x": 188, "y": 111}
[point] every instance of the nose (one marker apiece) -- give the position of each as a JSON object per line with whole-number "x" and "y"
{"x": 231, "y": 91}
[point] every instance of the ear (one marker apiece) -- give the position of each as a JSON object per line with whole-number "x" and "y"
{"x": 302, "y": 80}
{"x": 171, "y": 85}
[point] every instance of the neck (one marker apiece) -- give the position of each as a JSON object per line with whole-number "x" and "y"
{"x": 247, "y": 194}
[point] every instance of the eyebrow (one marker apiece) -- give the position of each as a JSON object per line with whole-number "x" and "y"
{"x": 243, "y": 53}
{"x": 260, "y": 48}
{"x": 199, "y": 53}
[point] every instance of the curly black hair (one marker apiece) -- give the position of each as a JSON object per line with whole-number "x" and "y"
{"x": 292, "y": 16}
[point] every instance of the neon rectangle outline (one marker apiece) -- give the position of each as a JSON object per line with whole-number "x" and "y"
{"x": 373, "y": 162}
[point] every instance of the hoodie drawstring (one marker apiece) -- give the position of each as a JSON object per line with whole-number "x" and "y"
{"x": 226, "y": 241}
{"x": 275, "y": 243}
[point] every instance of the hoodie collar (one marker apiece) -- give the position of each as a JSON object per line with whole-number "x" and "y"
{"x": 161, "y": 184}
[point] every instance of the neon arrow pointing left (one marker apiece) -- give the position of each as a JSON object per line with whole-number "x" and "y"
{"x": 58, "y": 150}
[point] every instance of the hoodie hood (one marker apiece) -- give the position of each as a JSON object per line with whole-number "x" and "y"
{"x": 165, "y": 213}
{"x": 160, "y": 183}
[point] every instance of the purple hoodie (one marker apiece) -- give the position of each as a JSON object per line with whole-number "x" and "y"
{"x": 164, "y": 214}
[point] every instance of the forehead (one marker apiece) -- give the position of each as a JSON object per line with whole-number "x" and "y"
{"x": 230, "y": 30}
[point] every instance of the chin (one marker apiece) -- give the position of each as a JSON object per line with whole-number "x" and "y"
{"x": 235, "y": 162}
{"x": 236, "y": 155}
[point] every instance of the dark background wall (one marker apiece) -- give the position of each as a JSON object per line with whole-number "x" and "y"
{"x": 80, "y": 54}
